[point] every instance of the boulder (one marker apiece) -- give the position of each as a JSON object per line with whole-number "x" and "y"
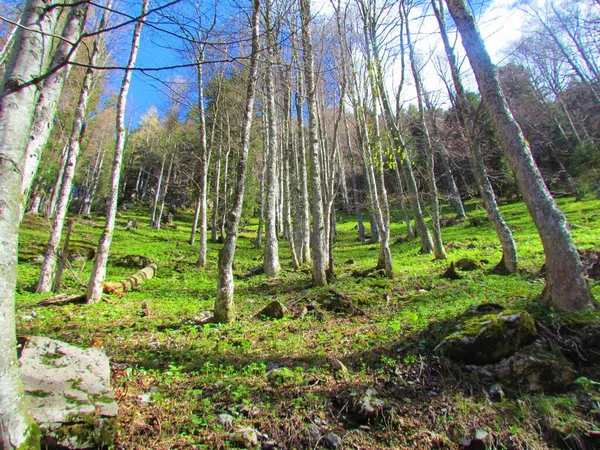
{"x": 368, "y": 406}
{"x": 68, "y": 390}
{"x": 245, "y": 438}
{"x": 468, "y": 264}
{"x": 133, "y": 261}
{"x": 274, "y": 310}
{"x": 489, "y": 338}
{"x": 536, "y": 369}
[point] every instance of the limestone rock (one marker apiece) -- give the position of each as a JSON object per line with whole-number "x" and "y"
{"x": 245, "y": 438}
{"x": 489, "y": 338}
{"x": 133, "y": 261}
{"x": 536, "y": 369}
{"x": 368, "y": 406}
{"x": 332, "y": 440}
{"x": 467, "y": 264}
{"x": 274, "y": 310}
{"x": 68, "y": 390}
{"x": 314, "y": 433}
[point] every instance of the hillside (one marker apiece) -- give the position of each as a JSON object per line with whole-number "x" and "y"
{"x": 184, "y": 382}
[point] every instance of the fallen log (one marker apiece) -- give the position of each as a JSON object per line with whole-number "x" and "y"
{"x": 131, "y": 283}
{"x": 63, "y": 299}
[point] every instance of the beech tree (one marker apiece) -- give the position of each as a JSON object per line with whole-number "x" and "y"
{"x": 224, "y": 306}
{"x": 94, "y": 291}
{"x": 17, "y": 106}
{"x": 566, "y": 287}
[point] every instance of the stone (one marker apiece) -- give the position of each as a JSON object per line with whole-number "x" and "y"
{"x": 245, "y": 438}
{"x": 332, "y": 440}
{"x": 226, "y": 420}
{"x": 489, "y": 338}
{"x": 368, "y": 406}
{"x": 496, "y": 393}
{"x": 133, "y": 261}
{"x": 536, "y": 369}
{"x": 68, "y": 391}
{"x": 337, "y": 366}
{"x": 314, "y": 432}
{"x": 274, "y": 310}
{"x": 467, "y": 264}
{"x": 480, "y": 440}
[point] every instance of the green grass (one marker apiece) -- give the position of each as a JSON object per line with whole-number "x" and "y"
{"x": 197, "y": 371}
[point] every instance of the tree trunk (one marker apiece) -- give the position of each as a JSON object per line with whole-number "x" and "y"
{"x": 94, "y": 291}
{"x": 158, "y": 191}
{"x": 17, "y": 106}
{"x": 438, "y": 246}
{"x": 203, "y": 156}
{"x": 566, "y": 288}
{"x": 215, "y": 203}
{"x": 509, "y": 259}
{"x": 86, "y": 206}
{"x": 304, "y": 242}
{"x": 224, "y": 307}
{"x": 50, "y": 93}
{"x": 49, "y": 265}
{"x": 163, "y": 195}
{"x": 271, "y": 256}
{"x": 319, "y": 251}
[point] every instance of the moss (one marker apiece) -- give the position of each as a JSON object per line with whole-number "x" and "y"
{"x": 38, "y": 393}
{"x": 489, "y": 338}
{"x": 87, "y": 429}
{"x": 34, "y": 436}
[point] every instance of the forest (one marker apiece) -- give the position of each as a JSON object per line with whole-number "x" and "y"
{"x": 279, "y": 224}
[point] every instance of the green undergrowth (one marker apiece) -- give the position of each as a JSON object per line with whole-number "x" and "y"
{"x": 174, "y": 373}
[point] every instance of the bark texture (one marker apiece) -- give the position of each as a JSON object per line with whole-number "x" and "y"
{"x": 319, "y": 243}
{"x": 94, "y": 291}
{"x": 566, "y": 288}
{"x": 224, "y": 306}
{"x": 17, "y": 105}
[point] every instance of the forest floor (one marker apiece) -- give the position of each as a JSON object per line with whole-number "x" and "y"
{"x": 174, "y": 374}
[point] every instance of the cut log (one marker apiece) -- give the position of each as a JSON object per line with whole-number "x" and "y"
{"x": 131, "y": 283}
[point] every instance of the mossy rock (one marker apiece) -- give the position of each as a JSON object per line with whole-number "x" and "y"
{"x": 274, "y": 310}
{"x": 133, "y": 261}
{"x": 85, "y": 432}
{"x": 489, "y": 338}
{"x": 468, "y": 264}
{"x": 537, "y": 369}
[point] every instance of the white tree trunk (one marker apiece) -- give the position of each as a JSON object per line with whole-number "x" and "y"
{"x": 48, "y": 270}
{"x": 509, "y": 259}
{"x": 319, "y": 251}
{"x": 50, "y": 94}
{"x": 17, "y": 105}
{"x": 566, "y": 288}
{"x": 271, "y": 256}
{"x": 203, "y": 157}
{"x": 94, "y": 290}
{"x": 224, "y": 307}
{"x": 158, "y": 191}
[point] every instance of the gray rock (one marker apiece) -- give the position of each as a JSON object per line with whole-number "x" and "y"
{"x": 314, "y": 432}
{"x": 489, "y": 338}
{"x": 226, "y": 420}
{"x": 369, "y": 406}
{"x": 496, "y": 393}
{"x": 332, "y": 440}
{"x": 337, "y": 366}
{"x": 245, "y": 438}
{"x": 274, "y": 310}
{"x": 68, "y": 390}
{"x": 536, "y": 369}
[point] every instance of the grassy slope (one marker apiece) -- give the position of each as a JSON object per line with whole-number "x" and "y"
{"x": 199, "y": 371}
